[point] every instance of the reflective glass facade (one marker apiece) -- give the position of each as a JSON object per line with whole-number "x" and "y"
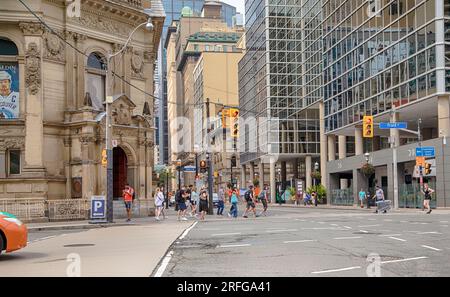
{"x": 271, "y": 75}
{"x": 382, "y": 53}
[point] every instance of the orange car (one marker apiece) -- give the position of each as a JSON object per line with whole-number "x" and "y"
{"x": 13, "y": 233}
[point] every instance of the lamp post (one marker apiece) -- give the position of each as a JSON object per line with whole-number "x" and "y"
{"x": 179, "y": 173}
{"x": 279, "y": 185}
{"x": 367, "y": 156}
{"x": 109, "y": 100}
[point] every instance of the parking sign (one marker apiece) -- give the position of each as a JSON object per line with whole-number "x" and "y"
{"x": 98, "y": 207}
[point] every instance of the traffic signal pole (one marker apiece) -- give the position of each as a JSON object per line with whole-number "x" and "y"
{"x": 209, "y": 163}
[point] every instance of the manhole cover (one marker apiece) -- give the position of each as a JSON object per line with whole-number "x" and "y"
{"x": 79, "y": 245}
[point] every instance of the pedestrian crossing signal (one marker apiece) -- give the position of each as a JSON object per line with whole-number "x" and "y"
{"x": 368, "y": 126}
{"x": 225, "y": 116}
{"x": 427, "y": 168}
{"x": 234, "y": 114}
{"x": 104, "y": 158}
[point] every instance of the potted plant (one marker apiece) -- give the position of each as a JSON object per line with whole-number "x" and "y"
{"x": 320, "y": 190}
{"x": 292, "y": 194}
{"x": 256, "y": 182}
{"x": 367, "y": 169}
{"x": 316, "y": 175}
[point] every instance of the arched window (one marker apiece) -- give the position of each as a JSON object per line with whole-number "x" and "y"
{"x": 96, "y": 78}
{"x": 9, "y": 79}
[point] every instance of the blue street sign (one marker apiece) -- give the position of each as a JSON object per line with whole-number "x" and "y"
{"x": 189, "y": 169}
{"x": 426, "y": 151}
{"x": 98, "y": 207}
{"x": 398, "y": 125}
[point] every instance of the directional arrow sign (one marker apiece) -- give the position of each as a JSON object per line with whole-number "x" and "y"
{"x": 189, "y": 169}
{"x": 426, "y": 151}
{"x": 397, "y": 125}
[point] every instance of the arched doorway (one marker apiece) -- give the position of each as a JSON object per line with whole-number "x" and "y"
{"x": 120, "y": 165}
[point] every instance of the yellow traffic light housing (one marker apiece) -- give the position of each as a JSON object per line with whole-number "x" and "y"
{"x": 234, "y": 114}
{"x": 225, "y": 116}
{"x": 368, "y": 126}
{"x": 427, "y": 168}
{"x": 104, "y": 157}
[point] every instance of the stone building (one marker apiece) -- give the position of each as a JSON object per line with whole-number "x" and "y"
{"x": 52, "y": 112}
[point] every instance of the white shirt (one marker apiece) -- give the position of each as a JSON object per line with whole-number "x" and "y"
{"x": 9, "y": 105}
{"x": 159, "y": 200}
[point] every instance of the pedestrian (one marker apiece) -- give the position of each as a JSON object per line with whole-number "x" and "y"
{"x": 263, "y": 197}
{"x": 181, "y": 202}
{"x": 379, "y": 195}
{"x": 314, "y": 197}
{"x": 306, "y": 199}
{"x": 234, "y": 203}
{"x": 362, "y": 196}
{"x": 203, "y": 203}
{"x": 249, "y": 198}
{"x": 221, "y": 202}
{"x": 427, "y": 197}
{"x": 128, "y": 194}
{"x": 164, "y": 203}
{"x": 194, "y": 202}
{"x": 189, "y": 199}
{"x": 159, "y": 203}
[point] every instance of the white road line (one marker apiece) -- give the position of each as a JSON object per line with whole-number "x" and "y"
{"x": 389, "y": 235}
{"x": 387, "y": 220}
{"x": 399, "y": 239}
{"x": 324, "y": 228}
{"x": 403, "y": 221}
{"x": 402, "y": 260}
{"x": 363, "y": 231}
{"x": 336, "y": 270}
{"x": 281, "y": 230}
{"x": 347, "y": 227}
{"x": 371, "y": 219}
{"x": 431, "y": 232}
{"x": 300, "y": 220}
{"x": 187, "y": 230}
{"x": 233, "y": 245}
{"x": 354, "y": 237}
{"x": 363, "y": 226}
{"x": 443, "y": 225}
{"x": 226, "y": 234}
{"x": 334, "y": 225}
{"x": 164, "y": 264}
{"x": 48, "y": 237}
{"x": 443, "y": 221}
{"x": 321, "y": 222}
{"x": 431, "y": 248}
{"x": 300, "y": 241}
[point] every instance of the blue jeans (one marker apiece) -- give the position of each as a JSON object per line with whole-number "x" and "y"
{"x": 220, "y": 207}
{"x": 234, "y": 210}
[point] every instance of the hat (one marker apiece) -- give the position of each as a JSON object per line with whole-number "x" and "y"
{"x": 5, "y": 75}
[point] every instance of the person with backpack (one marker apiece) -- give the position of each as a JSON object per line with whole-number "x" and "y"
{"x": 234, "y": 203}
{"x": 203, "y": 203}
{"x": 263, "y": 198}
{"x": 249, "y": 198}
{"x": 128, "y": 194}
{"x": 221, "y": 202}
{"x": 181, "y": 202}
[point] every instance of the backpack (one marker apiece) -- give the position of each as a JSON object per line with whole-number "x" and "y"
{"x": 248, "y": 196}
{"x": 134, "y": 195}
{"x": 234, "y": 198}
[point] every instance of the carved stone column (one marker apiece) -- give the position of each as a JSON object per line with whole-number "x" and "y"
{"x": 80, "y": 71}
{"x": 67, "y": 167}
{"x": 34, "y": 137}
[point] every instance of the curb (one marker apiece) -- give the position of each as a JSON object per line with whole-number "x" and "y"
{"x": 79, "y": 227}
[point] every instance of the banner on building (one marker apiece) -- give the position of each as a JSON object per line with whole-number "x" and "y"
{"x": 9, "y": 90}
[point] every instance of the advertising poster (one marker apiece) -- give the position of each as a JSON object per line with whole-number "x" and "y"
{"x": 9, "y": 90}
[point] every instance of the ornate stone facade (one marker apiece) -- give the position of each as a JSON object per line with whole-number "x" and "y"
{"x": 54, "y": 46}
{"x": 33, "y": 68}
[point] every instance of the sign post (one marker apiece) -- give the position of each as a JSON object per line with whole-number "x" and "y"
{"x": 98, "y": 209}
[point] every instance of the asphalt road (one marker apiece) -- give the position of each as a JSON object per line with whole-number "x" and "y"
{"x": 315, "y": 242}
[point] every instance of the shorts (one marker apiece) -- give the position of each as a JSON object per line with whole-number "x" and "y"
{"x": 250, "y": 204}
{"x": 182, "y": 206}
{"x": 128, "y": 205}
{"x": 203, "y": 206}
{"x": 429, "y": 199}
{"x": 264, "y": 202}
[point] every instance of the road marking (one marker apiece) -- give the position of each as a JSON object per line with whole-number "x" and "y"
{"x": 403, "y": 221}
{"x": 300, "y": 241}
{"x": 363, "y": 231}
{"x": 431, "y": 248}
{"x": 300, "y": 220}
{"x": 336, "y": 270}
{"x": 424, "y": 223}
{"x": 399, "y": 239}
{"x": 283, "y": 230}
{"x": 233, "y": 245}
{"x": 321, "y": 222}
{"x": 431, "y": 232}
{"x": 389, "y": 235}
{"x": 387, "y": 220}
{"x": 187, "y": 230}
{"x": 363, "y": 226}
{"x": 226, "y": 234}
{"x": 188, "y": 246}
{"x": 324, "y": 228}
{"x": 347, "y": 227}
{"x": 354, "y": 237}
{"x": 164, "y": 264}
{"x": 403, "y": 260}
{"x": 371, "y": 219}
{"x": 444, "y": 225}
{"x": 443, "y": 221}
{"x": 334, "y": 225}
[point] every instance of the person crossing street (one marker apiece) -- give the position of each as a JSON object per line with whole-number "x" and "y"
{"x": 249, "y": 198}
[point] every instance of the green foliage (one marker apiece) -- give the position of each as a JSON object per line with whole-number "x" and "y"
{"x": 256, "y": 182}
{"x": 367, "y": 169}
{"x": 320, "y": 190}
{"x": 316, "y": 175}
{"x": 292, "y": 192}
{"x": 164, "y": 175}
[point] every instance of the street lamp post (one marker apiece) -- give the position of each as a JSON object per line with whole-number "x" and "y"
{"x": 109, "y": 100}
{"x": 179, "y": 174}
{"x": 367, "y": 156}
{"x": 279, "y": 185}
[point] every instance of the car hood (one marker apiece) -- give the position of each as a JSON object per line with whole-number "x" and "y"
{"x": 7, "y": 215}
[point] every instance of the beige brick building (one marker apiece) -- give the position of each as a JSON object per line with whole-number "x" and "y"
{"x": 52, "y": 135}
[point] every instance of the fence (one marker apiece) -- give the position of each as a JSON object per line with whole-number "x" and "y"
{"x": 39, "y": 209}
{"x": 342, "y": 197}
{"x": 410, "y": 196}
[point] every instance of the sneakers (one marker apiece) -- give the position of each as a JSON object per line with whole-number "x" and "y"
{"x": 184, "y": 219}
{"x": 245, "y": 217}
{"x": 128, "y": 220}
{"x": 157, "y": 218}
{"x": 428, "y": 212}
{"x": 256, "y": 216}
{"x": 229, "y": 215}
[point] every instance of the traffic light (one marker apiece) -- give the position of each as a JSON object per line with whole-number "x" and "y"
{"x": 427, "y": 168}
{"x": 234, "y": 114}
{"x": 368, "y": 126}
{"x": 104, "y": 158}
{"x": 202, "y": 166}
{"x": 225, "y": 116}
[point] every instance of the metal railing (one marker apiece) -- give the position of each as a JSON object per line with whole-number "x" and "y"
{"x": 25, "y": 209}
{"x": 68, "y": 209}
{"x": 342, "y": 197}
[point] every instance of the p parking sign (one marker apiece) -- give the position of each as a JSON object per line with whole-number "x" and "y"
{"x": 98, "y": 207}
